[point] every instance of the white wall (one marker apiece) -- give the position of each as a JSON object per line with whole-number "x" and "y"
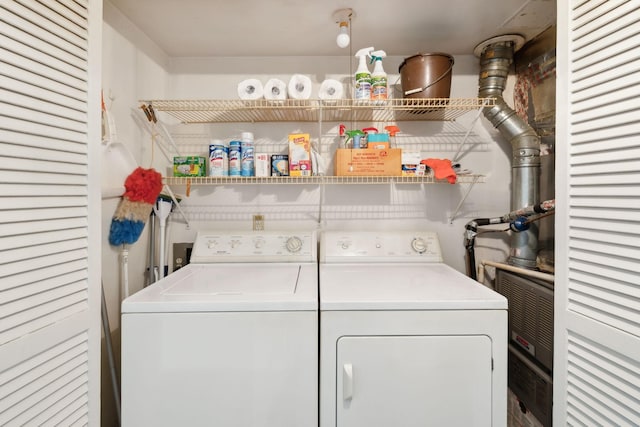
{"x": 134, "y": 70}
{"x": 342, "y": 206}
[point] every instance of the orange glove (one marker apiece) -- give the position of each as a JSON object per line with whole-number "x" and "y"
{"x": 441, "y": 169}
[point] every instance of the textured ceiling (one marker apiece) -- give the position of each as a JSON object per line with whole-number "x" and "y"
{"x": 206, "y": 28}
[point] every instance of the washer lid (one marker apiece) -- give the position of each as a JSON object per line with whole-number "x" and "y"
{"x": 402, "y": 287}
{"x": 230, "y": 287}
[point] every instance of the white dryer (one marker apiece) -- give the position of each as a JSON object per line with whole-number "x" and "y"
{"x": 229, "y": 340}
{"x": 406, "y": 340}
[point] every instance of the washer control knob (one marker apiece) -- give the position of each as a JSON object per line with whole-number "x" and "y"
{"x": 419, "y": 245}
{"x": 211, "y": 244}
{"x": 345, "y": 245}
{"x": 294, "y": 244}
{"x": 259, "y": 243}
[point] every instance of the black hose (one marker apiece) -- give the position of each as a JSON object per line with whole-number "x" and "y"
{"x": 470, "y": 258}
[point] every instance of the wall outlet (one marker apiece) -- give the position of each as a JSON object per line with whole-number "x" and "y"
{"x": 181, "y": 254}
{"x": 258, "y": 222}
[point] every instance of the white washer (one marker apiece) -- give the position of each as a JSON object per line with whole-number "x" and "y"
{"x": 229, "y": 340}
{"x": 406, "y": 340}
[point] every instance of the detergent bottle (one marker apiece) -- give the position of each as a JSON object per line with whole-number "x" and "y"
{"x": 379, "y": 86}
{"x": 362, "y": 83}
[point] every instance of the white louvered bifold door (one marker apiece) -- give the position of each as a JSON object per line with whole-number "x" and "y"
{"x": 597, "y": 349}
{"x": 49, "y": 212}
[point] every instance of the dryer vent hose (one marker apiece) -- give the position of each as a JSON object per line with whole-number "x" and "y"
{"x": 495, "y": 63}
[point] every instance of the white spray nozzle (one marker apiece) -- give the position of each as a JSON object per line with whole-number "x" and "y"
{"x": 377, "y": 55}
{"x": 364, "y": 52}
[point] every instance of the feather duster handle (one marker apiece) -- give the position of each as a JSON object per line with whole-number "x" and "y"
{"x": 142, "y": 188}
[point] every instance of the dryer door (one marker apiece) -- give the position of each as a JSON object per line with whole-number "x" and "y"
{"x": 414, "y": 381}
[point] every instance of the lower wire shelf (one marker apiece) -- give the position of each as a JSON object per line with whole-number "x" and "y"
{"x": 318, "y": 179}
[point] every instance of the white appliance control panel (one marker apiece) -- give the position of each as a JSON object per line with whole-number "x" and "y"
{"x": 254, "y": 246}
{"x": 380, "y": 247}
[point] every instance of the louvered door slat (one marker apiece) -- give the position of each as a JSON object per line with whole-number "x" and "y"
{"x": 35, "y": 239}
{"x": 45, "y": 18}
{"x": 63, "y": 18}
{"x": 621, "y": 131}
{"x": 44, "y": 142}
{"x": 36, "y": 251}
{"x": 76, "y": 7}
{"x": 33, "y": 79}
{"x": 27, "y": 112}
{"x": 23, "y": 386}
{"x": 623, "y": 240}
{"x": 612, "y": 178}
{"x": 27, "y": 98}
{"x": 606, "y": 190}
{"x": 49, "y": 210}
{"x": 26, "y": 190}
{"x": 42, "y": 40}
{"x": 17, "y": 151}
{"x": 41, "y": 129}
{"x": 18, "y": 215}
{"x": 23, "y": 55}
{"x": 43, "y": 286}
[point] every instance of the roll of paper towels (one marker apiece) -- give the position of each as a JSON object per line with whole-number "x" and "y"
{"x": 330, "y": 89}
{"x": 250, "y": 89}
{"x": 299, "y": 87}
{"x": 275, "y": 89}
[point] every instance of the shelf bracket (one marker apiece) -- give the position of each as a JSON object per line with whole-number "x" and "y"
{"x": 485, "y": 102}
{"x": 464, "y": 197}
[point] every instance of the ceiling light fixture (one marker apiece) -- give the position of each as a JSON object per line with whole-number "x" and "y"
{"x": 343, "y": 18}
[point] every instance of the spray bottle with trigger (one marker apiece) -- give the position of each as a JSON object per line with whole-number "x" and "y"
{"x": 362, "y": 87}
{"x": 379, "y": 87}
{"x": 355, "y": 136}
{"x": 393, "y": 130}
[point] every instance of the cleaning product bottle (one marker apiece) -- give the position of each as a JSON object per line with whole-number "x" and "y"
{"x": 362, "y": 88}
{"x": 355, "y": 136}
{"x": 364, "y": 142}
{"x": 393, "y": 130}
{"x": 379, "y": 86}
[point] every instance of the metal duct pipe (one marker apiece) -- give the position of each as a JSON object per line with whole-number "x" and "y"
{"x": 496, "y": 57}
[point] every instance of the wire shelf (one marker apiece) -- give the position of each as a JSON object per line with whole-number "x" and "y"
{"x": 318, "y": 179}
{"x": 315, "y": 110}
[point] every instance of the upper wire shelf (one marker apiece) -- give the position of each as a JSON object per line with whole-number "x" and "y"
{"x": 314, "y": 110}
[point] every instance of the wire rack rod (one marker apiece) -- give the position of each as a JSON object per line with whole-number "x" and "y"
{"x": 312, "y": 110}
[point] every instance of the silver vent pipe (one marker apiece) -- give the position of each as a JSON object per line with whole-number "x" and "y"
{"x": 496, "y": 57}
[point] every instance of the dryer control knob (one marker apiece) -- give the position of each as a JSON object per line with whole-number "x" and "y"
{"x": 419, "y": 245}
{"x": 294, "y": 244}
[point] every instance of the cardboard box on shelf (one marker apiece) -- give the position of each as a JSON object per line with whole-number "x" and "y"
{"x": 299, "y": 154}
{"x": 368, "y": 162}
{"x": 414, "y": 170}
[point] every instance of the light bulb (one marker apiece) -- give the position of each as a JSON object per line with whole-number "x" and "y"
{"x": 343, "y": 38}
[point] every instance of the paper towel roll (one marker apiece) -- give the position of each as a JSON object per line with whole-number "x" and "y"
{"x": 250, "y": 89}
{"x": 275, "y": 89}
{"x": 299, "y": 87}
{"x": 330, "y": 89}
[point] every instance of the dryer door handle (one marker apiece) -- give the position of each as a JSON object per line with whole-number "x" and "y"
{"x": 347, "y": 381}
